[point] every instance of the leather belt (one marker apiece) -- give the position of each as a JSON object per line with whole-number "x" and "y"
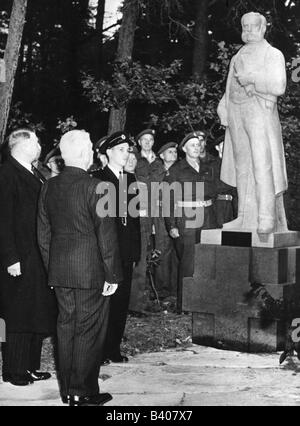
{"x": 225, "y": 197}
{"x": 194, "y": 204}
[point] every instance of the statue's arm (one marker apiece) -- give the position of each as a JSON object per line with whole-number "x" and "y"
{"x": 272, "y": 79}
{"x": 222, "y": 111}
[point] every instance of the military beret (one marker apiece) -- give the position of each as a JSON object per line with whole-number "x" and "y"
{"x": 198, "y": 134}
{"x": 167, "y": 146}
{"x": 99, "y": 143}
{"x": 55, "y": 152}
{"x": 115, "y": 139}
{"x": 215, "y": 142}
{"x": 145, "y": 132}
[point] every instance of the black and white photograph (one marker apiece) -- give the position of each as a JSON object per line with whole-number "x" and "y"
{"x": 149, "y": 205}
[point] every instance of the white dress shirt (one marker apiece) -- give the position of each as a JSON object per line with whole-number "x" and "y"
{"x": 27, "y": 166}
{"x": 116, "y": 171}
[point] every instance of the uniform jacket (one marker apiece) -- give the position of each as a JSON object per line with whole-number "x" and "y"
{"x": 79, "y": 248}
{"x": 129, "y": 233}
{"x": 26, "y": 303}
{"x": 183, "y": 172}
{"x": 146, "y": 173}
{"x": 225, "y": 210}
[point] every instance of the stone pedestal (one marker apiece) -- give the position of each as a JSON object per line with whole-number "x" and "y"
{"x": 217, "y": 295}
{"x": 250, "y": 238}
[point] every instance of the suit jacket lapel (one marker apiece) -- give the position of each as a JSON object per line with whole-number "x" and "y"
{"x": 31, "y": 180}
{"x": 111, "y": 177}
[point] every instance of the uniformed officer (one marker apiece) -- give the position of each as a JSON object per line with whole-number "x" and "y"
{"x": 116, "y": 147}
{"x": 192, "y": 207}
{"x": 131, "y": 164}
{"x": 146, "y": 157}
{"x": 146, "y": 171}
{"x": 226, "y": 202}
{"x": 100, "y": 159}
{"x": 166, "y": 273}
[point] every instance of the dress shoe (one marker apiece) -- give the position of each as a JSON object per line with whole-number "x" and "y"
{"x": 105, "y": 362}
{"x": 90, "y": 401}
{"x": 18, "y": 379}
{"x": 118, "y": 358}
{"x": 37, "y": 376}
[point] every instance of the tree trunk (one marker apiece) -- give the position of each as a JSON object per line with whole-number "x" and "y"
{"x": 201, "y": 39}
{"x": 11, "y": 56}
{"x": 117, "y": 118}
{"x": 100, "y": 17}
{"x": 99, "y": 29}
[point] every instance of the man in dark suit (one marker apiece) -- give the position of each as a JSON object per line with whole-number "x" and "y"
{"x": 80, "y": 251}
{"x": 27, "y": 304}
{"x": 116, "y": 148}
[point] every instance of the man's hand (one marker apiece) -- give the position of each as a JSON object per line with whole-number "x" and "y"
{"x": 174, "y": 233}
{"x": 245, "y": 78}
{"x": 15, "y": 270}
{"x": 109, "y": 289}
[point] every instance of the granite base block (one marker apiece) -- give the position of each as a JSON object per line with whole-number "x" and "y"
{"x": 225, "y": 311}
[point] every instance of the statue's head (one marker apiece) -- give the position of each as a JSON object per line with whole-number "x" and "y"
{"x": 254, "y": 27}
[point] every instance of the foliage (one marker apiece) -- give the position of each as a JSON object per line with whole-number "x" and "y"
{"x": 153, "y": 261}
{"x": 67, "y": 125}
{"x": 272, "y": 308}
{"x": 178, "y": 104}
{"x": 20, "y": 118}
{"x": 289, "y": 114}
{"x": 131, "y": 83}
{"x": 60, "y": 43}
{"x": 58, "y": 65}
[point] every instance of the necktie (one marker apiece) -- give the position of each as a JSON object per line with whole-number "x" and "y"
{"x": 38, "y": 174}
{"x": 123, "y": 198}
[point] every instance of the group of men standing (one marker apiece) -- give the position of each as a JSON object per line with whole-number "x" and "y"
{"x": 160, "y": 230}
{"x": 57, "y": 250}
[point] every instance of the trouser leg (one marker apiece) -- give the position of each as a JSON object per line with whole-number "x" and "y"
{"x": 92, "y": 310}
{"x": 166, "y": 270}
{"x": 119, "y": 304}
{"x": 65, "y": 335}
{"x": 36, "y": 352}
{"x": 16, "y": 353}
{"x": 185, "y": 247}
{"x": 139, "y": 290}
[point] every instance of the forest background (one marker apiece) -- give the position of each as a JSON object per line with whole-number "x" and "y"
{"x": 163, "y": 64}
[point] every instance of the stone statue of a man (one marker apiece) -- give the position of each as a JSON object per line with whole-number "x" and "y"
{"x": 253, "y": 158}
